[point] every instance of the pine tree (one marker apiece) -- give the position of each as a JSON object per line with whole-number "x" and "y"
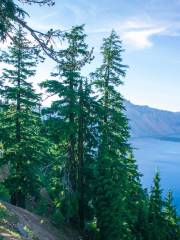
{"x": 172, "y": 220}
{"x": 141, "y": 225}
{"x": 20, "y": 120}
{"x": 65, "y": 110}
{"x": 81, "y": 136}
{"x": 87, "y": 142}
{"x": 112, "y": 180}
{"x": 136, "y": 201}
{"x": 156, "y": 218}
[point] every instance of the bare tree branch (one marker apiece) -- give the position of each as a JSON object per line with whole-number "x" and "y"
{"x": 45, "y": 40}
{"x": 40, "y": 2}
{"x": 11, "y": 15}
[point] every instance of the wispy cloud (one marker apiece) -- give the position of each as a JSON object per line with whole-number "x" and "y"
{"x": 136, "y": 33}
{"x": 142, "y": 38}
{"x": 139, "y": 34}
{"x": 137, "y": 30}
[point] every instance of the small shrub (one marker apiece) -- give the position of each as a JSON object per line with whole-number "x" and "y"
{"x": 4, "y": 194}
{"x": 91, "y": 230}
{"x": 57, "y": 217}
{"x": 3, "y": 211}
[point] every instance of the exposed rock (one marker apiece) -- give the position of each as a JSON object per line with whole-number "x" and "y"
{"x": 22, "y": 231}
{"x": 32, "y": 227}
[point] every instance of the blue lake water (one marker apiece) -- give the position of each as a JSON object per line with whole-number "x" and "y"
{"x": 153, "y": 154}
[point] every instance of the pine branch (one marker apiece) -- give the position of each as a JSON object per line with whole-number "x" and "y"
{"x": 11, "y": 16}
{"x": 44, "y": 40}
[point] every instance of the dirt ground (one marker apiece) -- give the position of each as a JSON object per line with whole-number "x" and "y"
{"x": 38, "y": 228}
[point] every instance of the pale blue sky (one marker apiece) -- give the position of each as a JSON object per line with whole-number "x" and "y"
{"x": 150, "y": 30}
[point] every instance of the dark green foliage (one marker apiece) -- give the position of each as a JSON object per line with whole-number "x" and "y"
{"x": 136, "y": 201}
{"x": 171, "y": 218}
{"x": 20, "y": 120}
{"x": 87, "y": 144}
{"x": 163, "y": 222}
{"x": 74, "y": 161}
{"x": 141, "y": 225}
{"x": 4, "y": 193}
{"x": 9, "y": 11}
{"x": 63, "y": 115}
{"x": 113, "y": 181}
{"x": 92, "y": 176}
{"x": 12, "y": 14}
{"x": 155, "y": 218}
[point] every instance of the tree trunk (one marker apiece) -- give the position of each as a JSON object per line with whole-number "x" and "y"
{"x": 18, "y": 197}
{"x": 81, "y": 159}
{"x": 13, "y": 199}
{"x": 72, "y": 141}
{"x": 21, "y": 200}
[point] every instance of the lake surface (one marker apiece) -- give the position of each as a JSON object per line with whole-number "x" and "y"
{"x": 153, "y": 154}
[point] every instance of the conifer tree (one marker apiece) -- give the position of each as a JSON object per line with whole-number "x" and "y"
{"x": 20, "y": 120}
{"x": 65, "y": 110}
{"x": 156, "y": 218}
{"x": 81, "y": 156}
{"x": 172, "y": 220}
{"x": 141, "y": 225}
{"x": 112, "y": 180}
{"x": 87, "y": 143}
{"x": 136, "y": 201}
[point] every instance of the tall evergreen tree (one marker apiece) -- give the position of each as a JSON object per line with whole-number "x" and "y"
{"x": 156, "y": 218}
{"x": 136, "y": 201}
{"x": 141, "y": 225}
{"x": 87, "y": 143}
{"x": 81, "y": 136}
{"x": 65, "y": 110}
{"x": 20, "y": 119}
{"x": 172, "y": 220}
{"x": 112, "y": 166}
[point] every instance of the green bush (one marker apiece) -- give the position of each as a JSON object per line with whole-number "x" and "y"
{"x": 4, "y": 194}
{"x": 57, "y": 217}
{"x": 91, "y": 230}
{"x": 3, "y": 211}
{"x": 42, "y": 207}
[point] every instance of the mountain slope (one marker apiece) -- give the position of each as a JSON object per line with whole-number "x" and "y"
{"x": 19, "y": 224}
{"x": 151, "y": 122}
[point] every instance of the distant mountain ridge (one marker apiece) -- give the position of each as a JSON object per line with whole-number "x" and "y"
{"x": 150, "y": 122}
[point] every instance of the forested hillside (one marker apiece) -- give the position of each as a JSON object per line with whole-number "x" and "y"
{"x": 72, "y": 161}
